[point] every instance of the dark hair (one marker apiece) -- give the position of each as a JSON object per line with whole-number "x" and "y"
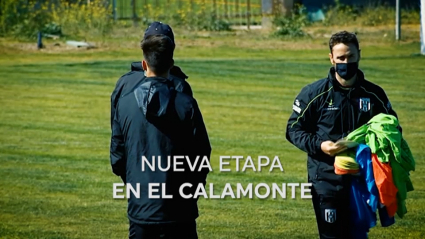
{"x": 158, "y": 52}
{"x": 345, "y": 38}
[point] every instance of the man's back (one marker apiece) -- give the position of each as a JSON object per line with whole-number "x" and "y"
{"x": 157, "y": 123}
{"x": 131, "y": 79}
{"x": 153, "y": 126}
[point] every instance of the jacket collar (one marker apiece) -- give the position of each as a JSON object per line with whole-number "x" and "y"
{"x": 159, "y": 79}
{"x": 136, "y": 66}
{"x": 174, "y": 71}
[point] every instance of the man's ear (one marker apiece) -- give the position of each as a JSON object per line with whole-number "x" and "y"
{"x": 144, "y": 65}
{"x": 331, "y": 59}
{"x": 171, "y": 63}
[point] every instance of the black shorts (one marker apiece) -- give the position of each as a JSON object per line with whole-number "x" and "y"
{"x": 177, "y": 230}
{"x": 332, "y": 210}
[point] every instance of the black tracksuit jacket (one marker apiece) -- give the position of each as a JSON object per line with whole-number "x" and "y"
{"x": 152, "y": 118}
{"x": 325, "y": 111}
{"x": 136, "y": 75}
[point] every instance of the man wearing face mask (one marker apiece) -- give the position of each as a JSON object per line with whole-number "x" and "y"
{"x": 324, "y": 112}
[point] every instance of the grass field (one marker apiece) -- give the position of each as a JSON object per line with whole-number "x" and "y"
{"x": 55, "y": 177}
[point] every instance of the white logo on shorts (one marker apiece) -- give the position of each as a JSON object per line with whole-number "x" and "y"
{"x": 330, "y": 215}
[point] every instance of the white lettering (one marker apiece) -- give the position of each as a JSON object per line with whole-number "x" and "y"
{"x": 293, "y": 185}
{"x": 151, "y": 166}
{"x": 192, "y": 166}
{"x": 117, "y": 190}
{"x": 130, "y": 189}
{"x": 240, "y": 190}
{"x": 152, "y": 190}
{"x": 205, "y": 164}
{"x": 176, "y": 163}
{"x": 160, "y": 164}
{"x": 237, "y": 161}
{"x": 164, "y": 192}
{"x": 260, "y": 164}
{"x": 281, "y": 191}
{"x": 181, "y": 190}
{"x": 276, "y": 164}
{"x": 212, "y": 195}
{"x": 227, "y": 191}
{"x": 200, "y": 190}
{"x": 257, "y": 190}
{"x": 305, "y": 190}
{"x": 224, "y": 163}
{"x": 249, "y": 163}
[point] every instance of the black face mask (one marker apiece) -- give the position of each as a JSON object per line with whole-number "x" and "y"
{"x": 347, "y": 70}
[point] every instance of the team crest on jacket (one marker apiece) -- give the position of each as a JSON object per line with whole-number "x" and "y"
{"x": 330, "y": 215}
{"x": 364, "y": 104}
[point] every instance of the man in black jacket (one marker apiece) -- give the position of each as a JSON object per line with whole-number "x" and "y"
{"x": 324, "y": 112}
{"x": 137, "y": 73}
{"x": 154, "y": 121}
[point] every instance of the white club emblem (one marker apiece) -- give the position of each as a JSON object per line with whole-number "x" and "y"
{"x": 364, "y": 104}
{"x": 330, "y": 215}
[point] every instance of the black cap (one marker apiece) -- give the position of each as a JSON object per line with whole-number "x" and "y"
{"x": 159, "y": 28}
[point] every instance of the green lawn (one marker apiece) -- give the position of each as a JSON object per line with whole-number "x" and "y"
{"x": 56, "y": 180}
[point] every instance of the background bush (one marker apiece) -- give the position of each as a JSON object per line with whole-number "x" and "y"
{"x": 199, "y": 17}
{"x": 24, "y": 19}
{"x": 86, "y": 19}
{"x": 343, "y": 15}
{"x": 293, "y": 24}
